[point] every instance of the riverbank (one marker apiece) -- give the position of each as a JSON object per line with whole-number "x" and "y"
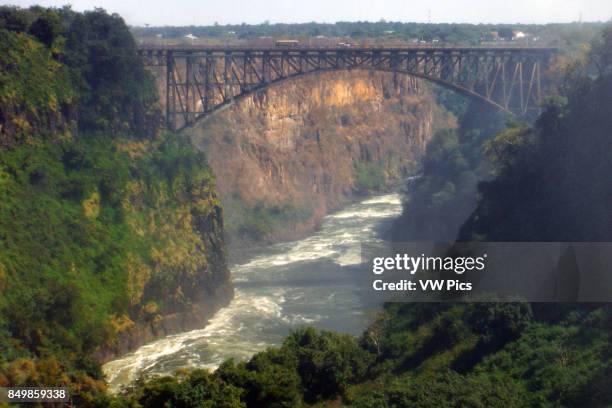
{"x": 279, "y": 288}
{"x": 142, "y": 332}
{"x": 240, "y": 250}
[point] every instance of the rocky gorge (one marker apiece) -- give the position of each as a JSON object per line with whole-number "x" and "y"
{"x": 285, "y": 156}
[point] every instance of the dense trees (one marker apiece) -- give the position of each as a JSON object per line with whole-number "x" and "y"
{"x": 309, "y": 367}
{"x": 444, "y": 195}
{"x": 115, "y": 90}
{"x": 82, "y": 165}
{"x": 476, "y": 355}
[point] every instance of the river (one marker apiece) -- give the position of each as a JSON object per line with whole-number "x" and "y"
{"x": 280, "y": 287}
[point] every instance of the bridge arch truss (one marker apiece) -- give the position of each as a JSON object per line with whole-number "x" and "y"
{"x": 199, "y": 82}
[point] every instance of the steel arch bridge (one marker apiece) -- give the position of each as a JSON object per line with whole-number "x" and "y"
{"x": 201, "y": 80}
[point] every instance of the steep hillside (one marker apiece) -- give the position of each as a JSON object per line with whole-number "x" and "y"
{"x": 286, "y": 156}
{"x": 446, "y": 193}
{"x": 111, "y": 231}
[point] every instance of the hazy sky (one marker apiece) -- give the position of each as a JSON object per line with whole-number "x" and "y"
{"x": 205, "y": 12}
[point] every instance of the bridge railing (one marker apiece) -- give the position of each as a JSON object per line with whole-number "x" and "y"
{"x": 437, "y": 47}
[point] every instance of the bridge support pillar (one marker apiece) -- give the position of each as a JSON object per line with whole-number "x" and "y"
{"x": 170, "y": 92}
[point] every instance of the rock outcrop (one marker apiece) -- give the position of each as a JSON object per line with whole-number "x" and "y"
{"x": 287, "y": 155}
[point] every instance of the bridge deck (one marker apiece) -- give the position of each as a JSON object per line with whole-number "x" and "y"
{"x": 252, "y": 49}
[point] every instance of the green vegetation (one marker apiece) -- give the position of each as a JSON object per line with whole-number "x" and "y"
{"x": 253, "y": 223}
{"x": 370, "y": 177}
{"x": 24, "y": 103}
{"x": 309, "y": 367}
{"x": 104, "y": 220}
{"x": 424, "y": 355}
{"x": 116, "y": 93}
{"x": 259, "y": 221}
{"x": 445, "y": 194}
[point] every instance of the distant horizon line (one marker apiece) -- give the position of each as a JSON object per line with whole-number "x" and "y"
{"x": 265, "y": 23}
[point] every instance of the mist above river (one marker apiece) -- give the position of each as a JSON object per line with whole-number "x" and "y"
{"x": 281, "y": 287}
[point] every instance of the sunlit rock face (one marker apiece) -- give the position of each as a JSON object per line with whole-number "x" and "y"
{"x": 287, "y": 155}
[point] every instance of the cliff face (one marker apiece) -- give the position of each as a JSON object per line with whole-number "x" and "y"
{"x": 127, "y": 232}
{"x": 177, "y": 276}
{"x": 286, "y": 156}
